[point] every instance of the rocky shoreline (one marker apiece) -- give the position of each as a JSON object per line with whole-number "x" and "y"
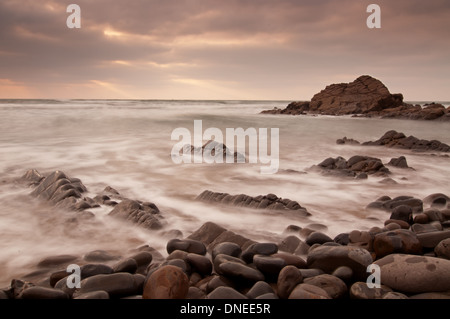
{"x": 364, "y": 97}
{"x": 412, "y": 249}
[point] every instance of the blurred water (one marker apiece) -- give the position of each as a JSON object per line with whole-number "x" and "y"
{"x": 127, "y": 144}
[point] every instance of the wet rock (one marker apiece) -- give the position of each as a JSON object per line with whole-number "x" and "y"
{"x": 43, "y": 293}
{"x": 260, "y": 249}
{"x": 342, "y": 239}
{"x": 55, "y": 261}
{"x": 442, "y": 249}
{"x": 434, "y": 215}
{"x": 100, "y": 256}
{"x": 328, "y": 258}
{"x": 394, "y": 295}
{"x": 317, "y": 238}
{"x": 423, "y": 228}
{"x": 240, "y": 272}
{"x": 403, "y": 213}
{"x": 414, "y": 274}
{"x": 168, "y": 282}
{"x": 200, "y": 264}
{"x": 226, "y": 248}
{"x": 117, "y": 285}
{"x": 362, "y": 239}
{"x": 395, "y": 139}
{"x": 225, "y": 293}
{"x": 291, "y": 259}
{"x": 335, "y": 287}
{"x": 90, "y": 270}
{"x": 397, "y": 241}
{"x": 31, "y": 178}
{"x": 353, "y": 168}
{"x": 344, "y": 273}
{"x": 347, "y": 141}
{"x": 432, "y": 239}
{"x": 146, "y": 215}
{"x": 289, "y": 244}
{"x": 288, "y": 279}
{"x": 306, "y": 291}
{"x": 229, "y": 236}
{"x": 390, "y": 204}
{"x": 207, "y": 233}
{"x": 399, "y": 162}
{"x": 401, "y": 223}
{"x": 195, "y": 293}
{"x": 187, "y": 245}
{"x": 260, "y": 288}
{"x": 270, "y": 266}
{"x": 143, "y": 258}
{"x": 437, "y": 200}
{"x": 269, "y": 202}
{"x": 221, "y": 258}
{"x": 218, "y": 281}
{"x": 127, "y": 265}
{"x": 360, "y": 290}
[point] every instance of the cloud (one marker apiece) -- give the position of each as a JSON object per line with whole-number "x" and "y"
{"x": 280, "y": 49}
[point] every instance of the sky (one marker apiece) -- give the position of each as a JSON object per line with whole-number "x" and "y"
{"x": 228, "y": 49}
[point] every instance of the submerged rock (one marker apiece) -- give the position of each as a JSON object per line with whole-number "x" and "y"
{"x": 268, "y": 202}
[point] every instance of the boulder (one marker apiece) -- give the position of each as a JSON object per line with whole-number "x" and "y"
{"x": 168, "y": 282}
{"x": 225, "y": 293}
{"x": 414, "y": 274}
{"x": 363, "y": 95}
{"x": 360, "y": 290}
{"x": 288, "y": 279}
{"x": 43, "y": 293}
{"x": 116, "y": 285}
{"x": 432, "y": 239}
{"x": 335, "y": 287}
{"x": 396, "y": 241}
{"x": 329, "y": 258}
{"x": 306, "y": 291}
{"x": 442, "y": 249}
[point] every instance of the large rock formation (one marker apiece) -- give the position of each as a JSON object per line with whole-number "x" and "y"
{"x": 366, "y": 96}
{"x": 363, "y": 95}
{"x": 65, "y": 192}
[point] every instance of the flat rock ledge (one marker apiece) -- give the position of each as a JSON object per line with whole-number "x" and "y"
{"x": 394, "y": 139}
{"x": 266, "y": 202}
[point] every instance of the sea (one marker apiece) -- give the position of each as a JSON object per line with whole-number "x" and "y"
{"x": 127, "y": 145}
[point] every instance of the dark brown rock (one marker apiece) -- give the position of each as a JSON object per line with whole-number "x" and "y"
{"x": 395, "y": 139}
{"x": 241, "y": 273}
{"x": 225, "y": 293}
{"x": 43, "y": 293}
{"x": 442, "y": 249}
{"x": 168, "y": 282}
{"x": 432, "y": 239}
{"x": 335, "y": 287}
{"x": 187, "y": 245}
{"x": 306, "y": 291}
{"x": 288, "y": 279}
{"x": 397, "y": 241}
{"x": 328, "y": 258}
{"x": 147, "y": 216}
{"x": 360, "y": 290}
{"x": 116, "y": 285}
